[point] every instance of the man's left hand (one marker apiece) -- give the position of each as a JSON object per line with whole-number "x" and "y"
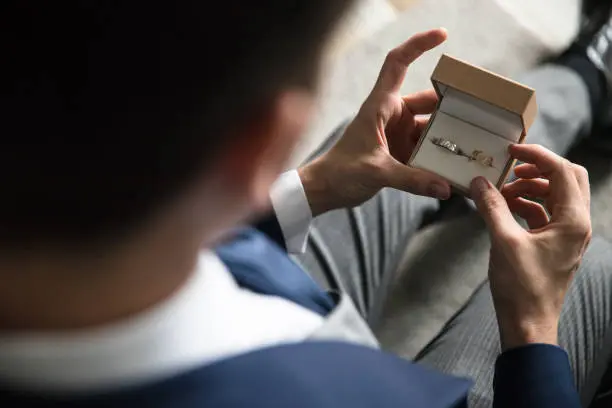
{"x": 376, "y": 145}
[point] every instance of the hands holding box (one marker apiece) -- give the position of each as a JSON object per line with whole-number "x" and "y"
{"x": 377, "y": 144}
{"x": 478, "y": 122}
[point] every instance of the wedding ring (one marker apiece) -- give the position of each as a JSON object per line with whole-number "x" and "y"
{"x": 483, "y": 159}
{"x": 446, "y": 144}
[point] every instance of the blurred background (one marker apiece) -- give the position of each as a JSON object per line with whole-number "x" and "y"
{"x": 506, "y": 36}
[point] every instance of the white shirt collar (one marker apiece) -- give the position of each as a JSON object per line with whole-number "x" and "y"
{"x": 208, "y": 319}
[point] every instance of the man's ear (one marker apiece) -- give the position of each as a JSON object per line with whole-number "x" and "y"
{"x": 266, "y": 144}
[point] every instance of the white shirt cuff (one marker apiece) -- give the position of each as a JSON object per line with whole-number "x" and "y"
{"x": 292, "y": 210}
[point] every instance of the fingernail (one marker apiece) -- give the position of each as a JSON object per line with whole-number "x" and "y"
{"x": 480, "y": 185}
{"x": 439, "y": 191}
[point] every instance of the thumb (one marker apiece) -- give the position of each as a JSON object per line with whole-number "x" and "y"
{"x": 492, "y": 206}
{"x": 416, "y": 181}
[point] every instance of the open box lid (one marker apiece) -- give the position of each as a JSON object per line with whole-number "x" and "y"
{"x": 486, "y": 86}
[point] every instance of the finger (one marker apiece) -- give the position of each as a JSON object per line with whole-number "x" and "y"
{"x": 545, "y": 160}
{"x": 421, "y": 103}
{"x": 564, "y": 188}
{"x": 535, "y": 188}
{"x": 493, "y": 208}
{"x": 412, "y": 137}
{"x": 416, "y": 181}
{"x": 421, "y": 124}
{"x": 402, "y": 141}
{"x": 530, "y": 171}
{"x": 582, "y": 175}
{"x": 533, "y": 213}
{"x": 527, "y": 171}
{"x": 396, "y": 64}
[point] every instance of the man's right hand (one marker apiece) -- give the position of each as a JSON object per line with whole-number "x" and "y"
{"x": 531, "y": 270}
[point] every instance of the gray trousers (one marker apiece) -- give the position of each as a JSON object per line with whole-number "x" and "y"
{"x": 357, "y": 251}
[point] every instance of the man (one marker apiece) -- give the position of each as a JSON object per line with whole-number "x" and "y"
{"x": 139, "y": 136}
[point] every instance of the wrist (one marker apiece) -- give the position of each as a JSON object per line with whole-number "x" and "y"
{"x": 519, "y": 333}
{"x": 316, "y": 187}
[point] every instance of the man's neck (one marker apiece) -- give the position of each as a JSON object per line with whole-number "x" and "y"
{"x": 74, "y": 289}
{"x": 51, "y": 292}
{"x": 53, "y": 302}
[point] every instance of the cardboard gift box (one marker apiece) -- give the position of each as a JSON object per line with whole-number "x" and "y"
{"x": 479, "y": 114}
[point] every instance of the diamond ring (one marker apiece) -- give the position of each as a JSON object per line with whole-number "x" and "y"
{"x": 447, "y": 144}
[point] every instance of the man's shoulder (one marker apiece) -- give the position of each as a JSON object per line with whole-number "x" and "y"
{"x": 302, "y": 375}
{"x": 325, "y": 375}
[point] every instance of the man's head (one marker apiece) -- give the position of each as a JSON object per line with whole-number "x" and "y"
{"x": 113, "y": 110}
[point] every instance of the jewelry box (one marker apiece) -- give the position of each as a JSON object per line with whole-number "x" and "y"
{"x": 479, "y": 114}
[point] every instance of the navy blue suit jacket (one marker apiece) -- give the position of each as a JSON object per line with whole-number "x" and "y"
{"x": 537, "y": 375}
{"x": 321, "y": 374}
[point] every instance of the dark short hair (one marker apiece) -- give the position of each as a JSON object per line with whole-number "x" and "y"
{"x": 110, "y": 108}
